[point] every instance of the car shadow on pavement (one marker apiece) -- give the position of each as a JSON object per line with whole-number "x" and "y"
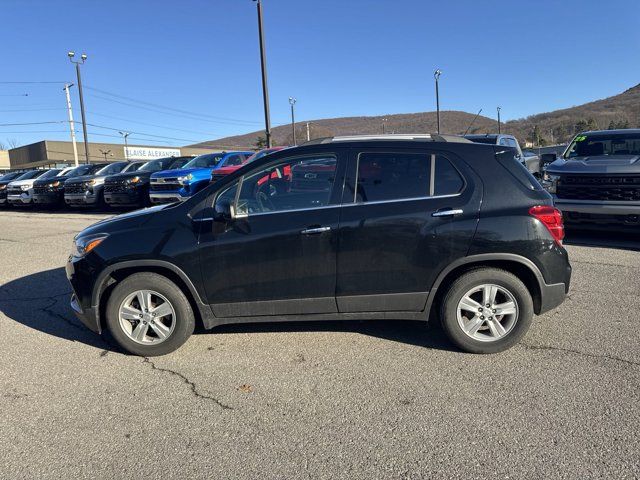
{"x": 41, "y": 301}
{"x": 602, "y": 238}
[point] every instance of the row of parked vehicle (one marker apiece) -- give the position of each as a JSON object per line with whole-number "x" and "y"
{"x": 128, "y": 184}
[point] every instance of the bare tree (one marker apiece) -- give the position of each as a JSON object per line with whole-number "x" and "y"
{"x": 13, "y": 142}
{"x": 2, "y": 146}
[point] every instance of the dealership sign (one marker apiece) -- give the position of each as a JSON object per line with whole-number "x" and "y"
{"x": 149, "y": 153}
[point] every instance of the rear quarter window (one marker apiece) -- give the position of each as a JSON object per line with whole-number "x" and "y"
{"x": 507, "y": 158}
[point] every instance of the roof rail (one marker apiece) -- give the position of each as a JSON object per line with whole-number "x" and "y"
{"x": 419, "y": 137}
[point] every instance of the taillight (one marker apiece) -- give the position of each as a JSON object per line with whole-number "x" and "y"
{"x": 551, "y": 218}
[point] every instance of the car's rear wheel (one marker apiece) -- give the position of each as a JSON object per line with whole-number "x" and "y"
{"x": 487, "y": 310}
{"x": 147, "y": 314}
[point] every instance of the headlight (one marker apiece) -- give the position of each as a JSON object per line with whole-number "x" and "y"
{"x": 134, "y": 180}
{"x": 2, "y": 187}
{"x": 55, "y": 184}
{"x": 550, "y": 182}
{"x": 24, "y": 188}
{"x": 83, "y": 245}
{"x": 185, "y": 178}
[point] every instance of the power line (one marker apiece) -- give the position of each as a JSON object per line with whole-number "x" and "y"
{"x": 30, "y": 123}
{"x": 155, "y": 105}
{"x": 143, "y": 133}
{"x": 32, "y": 109}
{"x": 29, "y": 83}
{"x": 153, "y": 124}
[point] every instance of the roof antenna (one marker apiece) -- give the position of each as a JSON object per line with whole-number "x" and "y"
{"x": 472, "y": 121}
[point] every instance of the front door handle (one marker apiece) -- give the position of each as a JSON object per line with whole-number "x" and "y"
{"x": 315, "y": 231}
{"x": 447, "y": 213}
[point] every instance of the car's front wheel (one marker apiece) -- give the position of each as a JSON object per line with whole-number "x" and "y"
{"x": 149, "y": 315}
{"x": 486, "y": 310}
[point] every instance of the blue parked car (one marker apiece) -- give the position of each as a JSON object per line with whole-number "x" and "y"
{"x": 178, "y": 185}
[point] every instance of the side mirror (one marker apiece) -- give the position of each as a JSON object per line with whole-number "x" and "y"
{"x": 224, "y": 212}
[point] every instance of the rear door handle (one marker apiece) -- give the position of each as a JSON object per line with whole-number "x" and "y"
{"x": 447, "y": 213}
{"x": 314, "y": 231}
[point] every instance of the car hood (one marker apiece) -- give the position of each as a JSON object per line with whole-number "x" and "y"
{"x": 20, "y": 183}
{"x": 123, "y": 221}
{"x": 599, "y": 164}
{"x": 124, "y": 176}
{"x": 180, "y": 172}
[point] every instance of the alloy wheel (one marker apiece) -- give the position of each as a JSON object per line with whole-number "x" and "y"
{"x": 487, "y": 312}
{"x": 147, "y": 317}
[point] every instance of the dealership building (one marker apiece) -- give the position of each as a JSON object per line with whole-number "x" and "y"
{"x": 50, "y": 153}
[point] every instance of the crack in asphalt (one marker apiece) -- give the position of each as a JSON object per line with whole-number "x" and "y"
{"x": 192, "y": 385}
{"x": 578, "y": 352}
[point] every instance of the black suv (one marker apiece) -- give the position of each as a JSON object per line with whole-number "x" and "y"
{"x": 392, "y": 227}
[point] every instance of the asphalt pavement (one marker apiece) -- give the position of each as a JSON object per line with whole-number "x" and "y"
{"x": 334, "y": 400}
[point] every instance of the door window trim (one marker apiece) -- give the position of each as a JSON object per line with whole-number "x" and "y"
{"x": 432, "y": 168}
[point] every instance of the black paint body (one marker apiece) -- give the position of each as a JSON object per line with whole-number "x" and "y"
{"x": 377, "y": 260}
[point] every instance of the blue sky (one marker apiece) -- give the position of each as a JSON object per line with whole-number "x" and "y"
{"x": 338, "y": 57}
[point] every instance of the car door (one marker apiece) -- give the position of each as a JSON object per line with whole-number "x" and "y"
{"x": 406, "y": 215}
{"x": 278, "y": 256}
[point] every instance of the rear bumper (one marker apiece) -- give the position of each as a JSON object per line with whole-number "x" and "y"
{"x": 552, "y": 296}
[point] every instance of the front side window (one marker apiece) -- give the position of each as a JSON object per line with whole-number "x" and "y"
{"x": 293, "y": 184}
{"x": 111, "y": 169}
{"x": 207, "y": 160}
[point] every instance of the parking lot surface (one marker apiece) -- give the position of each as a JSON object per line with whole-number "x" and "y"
{"x": 316, "y": 400}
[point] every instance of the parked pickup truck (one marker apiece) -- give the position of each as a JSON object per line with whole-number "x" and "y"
{"x": 179, "y": 185}
{"x": 532, "y": 162}
{"x": 596, "y": 181}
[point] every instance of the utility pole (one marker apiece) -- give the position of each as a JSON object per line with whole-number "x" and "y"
{"x": 308, "y": 136}
{"x": 499, "y": 120}
{"x": 126, "y": 145}
{"x": 436, "y": 75}
{"x": 71, "y": 126}
{"x": 384, "y": 124}
{"x": 84, "y": 120}
{"x": 292, "y": 102}
{"x": 265, "y": 88}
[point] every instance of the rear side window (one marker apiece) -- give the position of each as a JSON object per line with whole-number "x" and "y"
{"x": 507, "y": 158}
{"x": 399, "y": 176}
{"x": 448, "y": 180}
{"x": 392, "y": 176}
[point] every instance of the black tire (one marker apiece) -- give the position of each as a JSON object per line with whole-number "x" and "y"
{"x": 475, "y": 278}
{"x": 184, "y": 318}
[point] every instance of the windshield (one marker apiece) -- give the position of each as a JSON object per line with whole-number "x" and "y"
{"x": 132, "y": 167}
{"x": 83, "y": 170}
{"x": 205, "y": 161}
{"x": 482, "y": 139}
{"x": 260, "y": 154}
{"x": 31, "y": 174}
{"x": 591, "y": 144}
{"x": 156, "y": 165}
{"x": 50, "y": 174}
{"x": 111, "y": 169}
{"x": 9, "y": 176}
{"x": 179, "y": 163}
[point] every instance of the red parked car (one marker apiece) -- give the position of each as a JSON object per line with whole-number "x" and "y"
{"x": 224, "y": 171}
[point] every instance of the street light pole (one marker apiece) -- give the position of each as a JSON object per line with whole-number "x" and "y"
{"x": 292, "y": 102}
{"x": 265, "y": 88}
{"x": 126, "y": 145}
{"x": 436, "y": 75}
{"x": 105, "y": 153}
{"x": 84, "y": 121}
{"x": 498, "y": 119}
{"x": 71, "y": 126}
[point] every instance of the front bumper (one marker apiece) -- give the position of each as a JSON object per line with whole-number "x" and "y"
{"x": 47, "y": 198}
{"x": 132, "y": 197}
{"x": 166, "y": 197}
{"x": 590, "y": 214}
{"x": 80, "y": 280}
{"x": 22, "y": 199}
{"x": 86, "y": 198}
